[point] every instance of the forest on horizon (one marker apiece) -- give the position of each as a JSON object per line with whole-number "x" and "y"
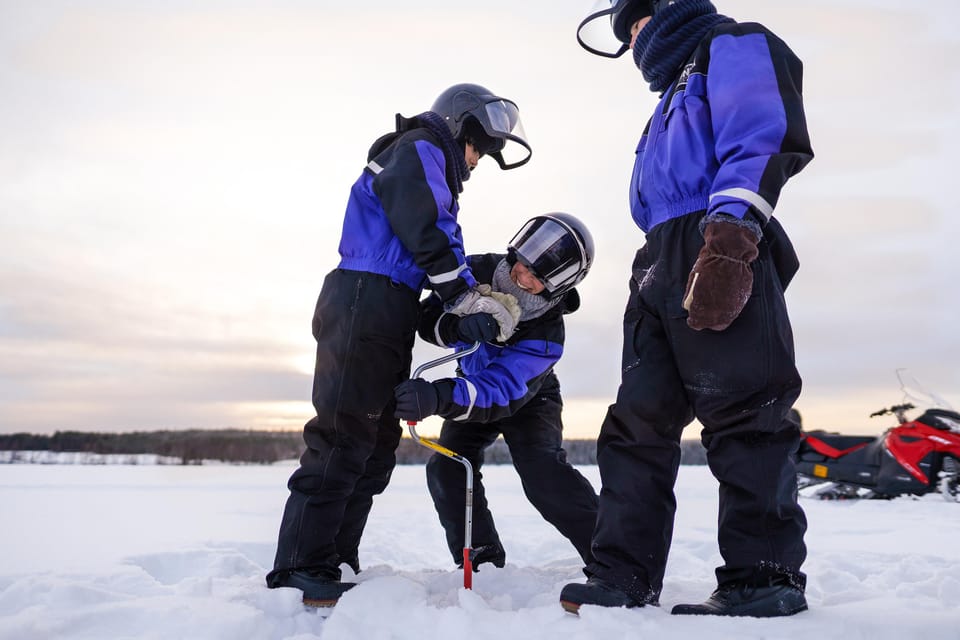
{"x": 260, "y": 447}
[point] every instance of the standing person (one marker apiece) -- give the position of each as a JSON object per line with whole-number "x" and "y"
{"x": 706, "y": 332}
{"x": 509, "y": 388}
{"x": 400, "y": 233}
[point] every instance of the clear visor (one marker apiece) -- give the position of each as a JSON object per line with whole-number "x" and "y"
{"x": 595, "y": 33}
{"x": 503, "y": 119}
{"x": 550, "y": 251}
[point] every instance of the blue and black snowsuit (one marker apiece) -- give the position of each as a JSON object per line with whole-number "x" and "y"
{"x": 400, "y": 233}
{"x": 509, "y": 389}
{"x": 724, "y": 139}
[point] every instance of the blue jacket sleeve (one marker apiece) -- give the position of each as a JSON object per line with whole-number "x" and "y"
{"x": 754, "y": 88}
{"x": 421, "y": 210}
{"x": 507, "y": 381}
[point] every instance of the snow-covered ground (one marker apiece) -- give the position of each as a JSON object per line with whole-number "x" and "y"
{"x": 180, "y": 552}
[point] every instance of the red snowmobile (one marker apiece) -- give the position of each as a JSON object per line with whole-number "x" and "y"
{"x": 913, "y": 458}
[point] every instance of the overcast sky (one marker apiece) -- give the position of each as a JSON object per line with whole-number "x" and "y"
{"x": 173, "y": 176}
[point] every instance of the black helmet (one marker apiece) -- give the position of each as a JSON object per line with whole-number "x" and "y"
{"x": 557, "y": 248}
{"x": 490, "y": 122}
{"x": 593, "y": 35}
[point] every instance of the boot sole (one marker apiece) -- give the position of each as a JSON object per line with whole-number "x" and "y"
{"x": 570, "y": 607}
{"x": 320, "y": 603}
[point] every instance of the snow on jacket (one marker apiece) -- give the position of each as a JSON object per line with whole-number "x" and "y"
{"x": 497, "y": 379}
{"x": 401, "y": 217}
{"x": 727, "y": 134}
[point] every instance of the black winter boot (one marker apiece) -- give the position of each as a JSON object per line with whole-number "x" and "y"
{"x": 597, "y": 592}
{"x": 318, "y": 590}
{"x": 740, "y": 599}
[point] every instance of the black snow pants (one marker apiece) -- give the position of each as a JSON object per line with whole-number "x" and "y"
{"x": 365, "y": 326}
{"x": 740, "y": 384}
{"x": 534, "y": 435}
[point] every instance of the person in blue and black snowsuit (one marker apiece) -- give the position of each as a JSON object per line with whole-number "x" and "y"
{"x": 706, "y": 331}
{"x": 400, "y": 235}
{"x": 509, "y": 388}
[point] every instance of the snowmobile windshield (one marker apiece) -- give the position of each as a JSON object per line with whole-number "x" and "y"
{"x": 502, "y": 123}
{"x": 550, "y": 250}
{"x": 915, "y": 392}
{"x": 595, "y": 33}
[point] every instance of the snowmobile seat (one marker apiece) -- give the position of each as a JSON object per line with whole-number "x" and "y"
{"x": 835, "y": 445}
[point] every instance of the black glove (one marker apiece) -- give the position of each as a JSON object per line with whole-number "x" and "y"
{"x": 721, "y": 280}
{"x": 416, "y": 399}
{"x": 492, "y": 553}
{"x": 478, "y": 327}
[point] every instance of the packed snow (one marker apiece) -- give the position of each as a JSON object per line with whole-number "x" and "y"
{"x": 108, "y": 551}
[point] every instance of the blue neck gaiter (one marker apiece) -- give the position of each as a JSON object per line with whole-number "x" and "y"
{"x": 457, "y": 170}
{"x": 669, "y": 39}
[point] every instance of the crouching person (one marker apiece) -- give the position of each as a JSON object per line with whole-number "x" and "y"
{"x": 509, "y": 388}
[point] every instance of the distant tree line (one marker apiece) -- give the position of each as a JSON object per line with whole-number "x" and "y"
{"x": 260, "y": 447}
{"x": 192, "y": 446}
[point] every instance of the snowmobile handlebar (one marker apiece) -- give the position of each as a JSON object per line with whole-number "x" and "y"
{"x": 897, "y": 410}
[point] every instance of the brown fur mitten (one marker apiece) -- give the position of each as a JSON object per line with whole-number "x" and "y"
{"x": 720, "y": 282}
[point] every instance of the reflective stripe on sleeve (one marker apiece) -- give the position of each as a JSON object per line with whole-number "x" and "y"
{"x": 449, "y": 276}
{"x": 472, "y": 392}
{"x": 754, "y": 199}
{"x": 436, "y": 332}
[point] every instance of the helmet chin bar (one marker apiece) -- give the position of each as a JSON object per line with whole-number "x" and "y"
{"x": 513, "y": 142}
{"x": 595, "y": 33}
{"x": 598, "y": 35}
{"x": 502, "y": 122}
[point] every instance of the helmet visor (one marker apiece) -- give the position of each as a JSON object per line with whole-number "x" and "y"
{"x": 551, "y": 251}
{"x": 503, "y": 123}
{"x": 595, "y": 33}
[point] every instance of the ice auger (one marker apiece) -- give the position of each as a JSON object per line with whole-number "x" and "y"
{"x": 429, "y": 444}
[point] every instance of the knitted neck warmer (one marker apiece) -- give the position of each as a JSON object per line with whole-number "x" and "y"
{"x": 669, "y": 39}
{"x": 531, "y": 305}
{"x": 457, "y": 170}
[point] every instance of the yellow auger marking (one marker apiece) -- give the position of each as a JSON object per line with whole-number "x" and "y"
{"x": 820, "y": 470}
{"x": 438, "y": 448}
